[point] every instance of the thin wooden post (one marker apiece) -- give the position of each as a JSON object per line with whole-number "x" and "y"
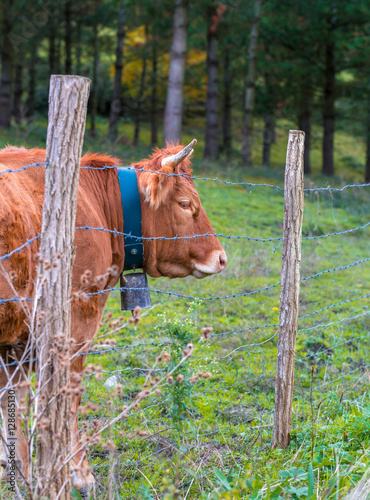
{"x": 68, "y": 98}
{"x": 289, "y": 295}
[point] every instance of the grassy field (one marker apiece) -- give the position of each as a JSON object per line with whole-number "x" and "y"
{"x": 210, "y": 438}
{"x": 223, "y": 439}
{"x": 349, "y": 149}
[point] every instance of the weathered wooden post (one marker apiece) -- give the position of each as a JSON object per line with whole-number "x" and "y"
{"x": 67, "y": 116}
{"x": 289, "y": 295}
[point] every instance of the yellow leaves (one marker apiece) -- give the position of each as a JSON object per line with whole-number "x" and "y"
{"x": 196, "y": 57}
{"x": 196, "y": 92}
{"x": 135, "y": 37}
{"x": 195, "y": 84}
{"x": 132, "y": 64}
{"x": 131, "y": 74}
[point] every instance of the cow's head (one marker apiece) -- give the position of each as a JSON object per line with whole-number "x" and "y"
{"x": 171, "y": 207}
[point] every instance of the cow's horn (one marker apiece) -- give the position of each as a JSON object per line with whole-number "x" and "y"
{"x": 174, "y": 160}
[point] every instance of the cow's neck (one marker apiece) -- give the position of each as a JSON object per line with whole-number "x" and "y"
{"x": 103, "y": 187}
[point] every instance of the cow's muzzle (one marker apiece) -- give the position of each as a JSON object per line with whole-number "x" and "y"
{"x": 216, "y": 263}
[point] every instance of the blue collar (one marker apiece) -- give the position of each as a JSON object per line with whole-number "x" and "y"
{"x": 131, "y": 207}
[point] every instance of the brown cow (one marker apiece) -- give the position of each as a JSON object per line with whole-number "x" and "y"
{"x": 170, "y": 206}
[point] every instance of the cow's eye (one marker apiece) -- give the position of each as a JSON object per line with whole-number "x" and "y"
{"x": 185, "y": 205}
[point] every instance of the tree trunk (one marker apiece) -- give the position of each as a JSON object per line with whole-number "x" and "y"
{"x": 30, "y": 106}
{"x": 211, "y": 149}
{"x": 79, "y": 47}
{"x": 226, "y": 123}
{"x": 6, "y": 69}
{"x": 304, "y": 123}
{"x": 329, "y": 110}
{"x": 267, "y": 139}
{"x": 115, "y": 107}
{"x": 68, "y": 36}
{"x": 269, "y": 127}
{"x": 173, "y": 110}
{"x": 18, "y": 90}
{"x": 58, "y": 57}
{"x": 141, "y": 93}
{"x": 367, "y": 170}
{"x": 153, "y": 100}
{"x": 273, "y": 131}
{"x": 250, "y": 89}
{"x": 54, "y": 41}
{"x": 94, "y": 88}
{"x": 68, "y": 98}
{"x": 52, "y": 52}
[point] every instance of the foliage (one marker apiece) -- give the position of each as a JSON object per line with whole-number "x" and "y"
{"x": 291, "y": 64}
{"x": 218, "y": 445}
{"x": 181, "y": 330}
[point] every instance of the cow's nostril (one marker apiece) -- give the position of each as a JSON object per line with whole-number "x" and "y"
{"x": 223, "y": 261}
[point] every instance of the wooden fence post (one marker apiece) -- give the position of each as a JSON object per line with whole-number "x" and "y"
{"x": 68, "y": 98}
{"x": 289, "y": 295}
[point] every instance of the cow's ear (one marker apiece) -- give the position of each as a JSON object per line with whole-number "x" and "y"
{"x": 156, "y": 186}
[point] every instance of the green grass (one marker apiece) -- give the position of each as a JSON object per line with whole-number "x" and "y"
{"x": 230, "y": 425}
{"x": 349, "y": 151}
{"x": 219, "y": 444}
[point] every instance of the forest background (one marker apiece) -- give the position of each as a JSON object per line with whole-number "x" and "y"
{"x": 234, "y": 74}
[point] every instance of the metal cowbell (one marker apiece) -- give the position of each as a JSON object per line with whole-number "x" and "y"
{"x": 134, "y": 291}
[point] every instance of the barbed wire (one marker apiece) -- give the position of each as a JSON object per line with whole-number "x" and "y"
{"x": 21, "y": 169}
{"x": 19, "y": 249}
{"x": 237, "y": 330}
{"x": 334, "y": 269}
{"x": 332, "y": 347}
{"x": 234, "y": 295}
{"x": 183, "y": 296}
{"x": 346, "y": 333}
{"x": 334, "y": 305}
{"x": 210, "y": 298}
{"x": 230, "y": 183}
{"x": 174, "y": 238}
{"x": 195, "y": 236}
{"x": 230, "y": 332}
{"x": 316, "y": 327}
{"x": 217, "y": 423}
{"x": 198, "y": 178}
{"x": 218, "y": 235}
{"x": 16, "y": 299}
{"x": 336, "y": 233}
{"x": 343, "y": 188}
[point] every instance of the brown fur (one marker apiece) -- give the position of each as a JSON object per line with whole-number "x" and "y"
{"x": 98, "y": 205}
